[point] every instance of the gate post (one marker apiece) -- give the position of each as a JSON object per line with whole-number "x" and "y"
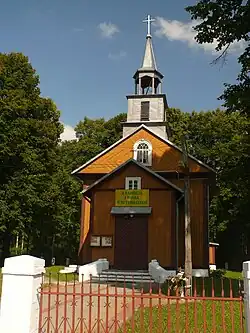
{"x": 246, "y": 275}
{"x": 22, "y": 278}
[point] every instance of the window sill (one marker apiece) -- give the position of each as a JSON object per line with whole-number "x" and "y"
{"x": 145, "y": 164}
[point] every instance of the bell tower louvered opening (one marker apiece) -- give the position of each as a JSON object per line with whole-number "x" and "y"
{"x": 145, "y": 111}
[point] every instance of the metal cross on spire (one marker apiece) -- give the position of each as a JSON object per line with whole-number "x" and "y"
{"x": 149, "y": 20}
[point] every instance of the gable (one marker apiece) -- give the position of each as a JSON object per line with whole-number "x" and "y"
{"x": 148, "y": 180}
{"x": 165, "y": 155}
{"x": 131, "y": 168}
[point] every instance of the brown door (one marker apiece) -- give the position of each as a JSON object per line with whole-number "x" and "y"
{"x": 131, "y": 242}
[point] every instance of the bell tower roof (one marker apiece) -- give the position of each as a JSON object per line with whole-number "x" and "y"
{"x": 149, "y": 57}
{"x": 148, "y": 61}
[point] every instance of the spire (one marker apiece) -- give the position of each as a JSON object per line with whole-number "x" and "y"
{"x": 149, "y": 57}
{"x": 148, "y": 78}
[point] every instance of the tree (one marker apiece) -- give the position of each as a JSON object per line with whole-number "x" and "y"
{"x": 29, "y": 135}
{"x": 178, "y": 122}
{"x": 227, "y": 22}
{"x": 100, "y": 132}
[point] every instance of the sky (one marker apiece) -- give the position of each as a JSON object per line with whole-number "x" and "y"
{"x": 87, "y": 51}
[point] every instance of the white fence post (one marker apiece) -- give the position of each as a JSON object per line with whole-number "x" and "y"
{"x": 246, "y": 275}
{"x": 22, "y": 277}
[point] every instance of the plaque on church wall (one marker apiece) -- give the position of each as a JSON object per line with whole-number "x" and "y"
{"x": 107, "y": 241}
{"x": 132, "y": 198}
{"x": 95, "y": 241}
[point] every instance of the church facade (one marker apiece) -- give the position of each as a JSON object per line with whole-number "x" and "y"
{"x": 133, "y": 200}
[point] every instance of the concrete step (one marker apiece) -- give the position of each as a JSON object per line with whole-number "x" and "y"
{"x": 126, "y": 273}
{"x": 121, "y": 280}
{"x": 124, "y": 276}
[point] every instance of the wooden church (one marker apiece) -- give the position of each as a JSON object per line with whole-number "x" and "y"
{"x": 133, "y": 202}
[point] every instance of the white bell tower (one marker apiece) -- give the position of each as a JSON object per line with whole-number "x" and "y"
{"x": 147, "y": 105}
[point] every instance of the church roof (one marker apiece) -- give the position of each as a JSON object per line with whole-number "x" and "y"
{"x": 126, "y": 137}
{"x": 131, "y": 160}
{"x": 149, "y": 57}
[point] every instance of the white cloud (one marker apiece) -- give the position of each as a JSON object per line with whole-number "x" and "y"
{"x": 175, "y": 30}
{"x": 108, "y": 30}
{"x": 117, "y": 56}
{"x": 68, "y": 133}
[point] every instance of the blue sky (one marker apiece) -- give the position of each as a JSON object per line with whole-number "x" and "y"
{"x": 86, "y": 52}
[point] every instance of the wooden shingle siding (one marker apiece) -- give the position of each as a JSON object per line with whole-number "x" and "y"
{"x": 165, "y": 157}
{"x": 161, "y": 222}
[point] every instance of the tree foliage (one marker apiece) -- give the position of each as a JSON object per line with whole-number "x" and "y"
{"x": 227, "y": 22}
{"x": 29, "y": 135}
{"x": 39, "y": 199}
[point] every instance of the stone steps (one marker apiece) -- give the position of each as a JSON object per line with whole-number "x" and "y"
{"x": 123, "y": 276}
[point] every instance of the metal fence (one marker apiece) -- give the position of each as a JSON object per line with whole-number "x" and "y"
{"x": 214, "y": 305}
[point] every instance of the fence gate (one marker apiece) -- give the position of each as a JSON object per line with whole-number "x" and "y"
{"x": 215, "y": 305}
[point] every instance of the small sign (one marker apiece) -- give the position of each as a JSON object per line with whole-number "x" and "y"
{"x": 132, "y": 198}
{"x": 95, "y": 241}
{"x": 107, "y": 241}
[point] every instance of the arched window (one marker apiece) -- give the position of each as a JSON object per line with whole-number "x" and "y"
{"x": 143, "y": 152}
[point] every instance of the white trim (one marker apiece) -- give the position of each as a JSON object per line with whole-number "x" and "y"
{"x": 129, "y": 135}
{"x": 135, "y": 150}
{"x": 128, "y": 179}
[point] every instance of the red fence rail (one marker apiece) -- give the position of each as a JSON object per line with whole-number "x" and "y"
{"x": 215, "y": 305}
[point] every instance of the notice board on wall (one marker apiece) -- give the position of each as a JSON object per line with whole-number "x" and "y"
{"x": 132, "y": 198}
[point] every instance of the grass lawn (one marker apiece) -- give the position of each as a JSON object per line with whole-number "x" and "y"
{"x": 233, "y": 275}
{"x": 53, "y": 274}
{"x": 216, "y": 287}
{"x": 173, "y": 318}
{"x": 197, "y": 316}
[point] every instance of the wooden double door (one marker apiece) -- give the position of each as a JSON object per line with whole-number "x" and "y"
{"x": 131, "y": 242}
